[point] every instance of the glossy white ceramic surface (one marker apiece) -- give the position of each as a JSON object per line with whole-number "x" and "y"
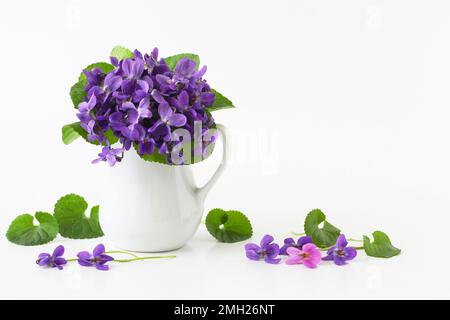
{"x": 150, "y": 207}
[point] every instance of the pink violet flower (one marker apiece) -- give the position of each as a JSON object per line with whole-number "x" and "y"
{"x": 309, "y": 256}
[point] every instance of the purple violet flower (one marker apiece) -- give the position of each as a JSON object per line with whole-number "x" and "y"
{"x": 89, "y": 127}
{"x": 98, "y": 258}
{"x": 53, "y": 261}
{"x": 152, "y": 59}
{"x": 113, "y": 81}
{"x": 340, "y": 253}
{"x": 109, "y": 155}
{"x": 168, "y": 119}
{"x": 86, "y": 107}
{"x": 266, "y": 250}
{"x": 290, "y": 243}
{"x": 184, "y": 69}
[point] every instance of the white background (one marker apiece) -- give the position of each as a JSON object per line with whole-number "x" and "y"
{"x": 341, "y": 105}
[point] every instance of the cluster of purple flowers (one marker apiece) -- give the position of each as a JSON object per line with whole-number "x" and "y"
{"x": 303, "y": 251}
{"x": 142, "y": 101}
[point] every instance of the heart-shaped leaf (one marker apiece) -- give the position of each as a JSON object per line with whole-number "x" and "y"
{"x": 121, "y": 53}
{"x": 71, "y": 132}
{"x": 220, "y": 102}
{"x": 159, "y": 158}
{"x": 154, "y": 157}
{"x": 381, "y": 247}
{"x": 173, "y": 60}
{"x": 228, "y": 226}
{"x": 22, "y": 230}
{"x": 73, "y": 223}
{"x": 322, "y": 237}
{"x": 78, "y": 93}
{"x": 105, "y": 67}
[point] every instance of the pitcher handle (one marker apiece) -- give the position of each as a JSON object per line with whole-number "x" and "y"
{"x": 203, "y": 191}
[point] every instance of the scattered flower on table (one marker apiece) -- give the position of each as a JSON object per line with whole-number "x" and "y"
{"x": 266, "y": 250}
{"x": 340, "y": 253}
{"x": 290, "y": 242}
{"x": 98, "y": 258}
{"x": 55, "y": 260}
{"x": 309, "y": 255}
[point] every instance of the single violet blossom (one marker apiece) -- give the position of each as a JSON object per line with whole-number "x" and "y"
{"x": 185, "y": 69}
{"x": 89, "y": 128}
{"x": 309, "y": 256}
{"x": 87, "y": 106}
{"x": 340, "y": 253}
{"x": 54, "y": 260}
{"x": 266, "y": 250}
{"x": 168, "y": 119}
{"x": 98, "y": 258}
{"x": 291, "y": 243}
{"x": 109, "y": 155}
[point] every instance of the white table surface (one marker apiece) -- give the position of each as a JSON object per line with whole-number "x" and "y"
{"x": 205, "y": 269}
{"x": 349, "y": 98}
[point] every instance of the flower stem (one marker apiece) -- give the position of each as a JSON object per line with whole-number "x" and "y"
{"x": 135, "y": 257}
{"x": 123, "y": 252}
{"x": 298, "y": 234}
{"x": 142, "y": 258}
{"x": 355, "y": 240}
{"x": 327, "y": 248}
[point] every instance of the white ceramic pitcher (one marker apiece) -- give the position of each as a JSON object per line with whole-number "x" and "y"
{"x": 151, "y": 207}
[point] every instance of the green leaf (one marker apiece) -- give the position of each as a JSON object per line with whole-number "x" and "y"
{"x": 322, "y": 237}
{"x": 381, "y": 247}
{"x": 22, "y": 230}
{"x": 121, "y": 53}
{"x": 77, "y": 91}
{"x": 173, "y": 60}
{"x": 109, "y": 134}
{"x": 221, "y": 102}
{"x": 71, "y": 132}
{"x": 228, "y": 226}
{"x": 73, "y": 223}
{"x": 103, "y": 66}
{"x": 159, "y": 158}
{"x": 154, "y": 157}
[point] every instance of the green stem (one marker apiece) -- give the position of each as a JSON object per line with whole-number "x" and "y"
{"x": 328, "y": 248}
{"x": 135, "y": 257}
{"x": 122, "y": 252}
{"x": 298, "y": 234}
{"x": 355, "y": 240}
{"x": 142, "y": 258}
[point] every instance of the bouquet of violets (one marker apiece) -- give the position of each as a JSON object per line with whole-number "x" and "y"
{"x": 161, "y": 107}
